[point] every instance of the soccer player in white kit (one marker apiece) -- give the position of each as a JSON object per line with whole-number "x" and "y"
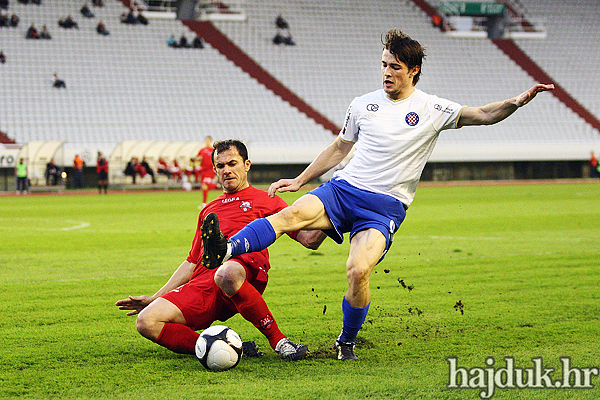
{"x": 394, "y": 131}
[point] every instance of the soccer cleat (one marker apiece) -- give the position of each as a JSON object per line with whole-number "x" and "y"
{"x": 289, "y": 350}
{"x": 215, "y": 243}
{"x": 345, "y": 351}
{"x": 250, "y": 349}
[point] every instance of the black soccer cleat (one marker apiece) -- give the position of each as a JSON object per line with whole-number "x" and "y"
{"x": 345, "y": 351}
{"x": 215, "y": 243}
{"x": 289, "y": 350}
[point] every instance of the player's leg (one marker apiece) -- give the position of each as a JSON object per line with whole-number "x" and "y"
{"x": 307, "y": 212}
{"x": 231, "y": 279}
{"x": 164, "y": 323}
{"x": 366, "y": 249}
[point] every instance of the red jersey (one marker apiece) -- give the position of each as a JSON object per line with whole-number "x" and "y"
{"x": 235, "y": 211}
{"x": 101, "y": 165}
{"x": 206, "y": 165}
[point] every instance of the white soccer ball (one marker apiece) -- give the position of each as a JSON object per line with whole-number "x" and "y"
{"x": 219, "y": 348}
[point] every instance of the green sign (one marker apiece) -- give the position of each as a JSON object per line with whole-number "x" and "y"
{"x": 471, "y": 9}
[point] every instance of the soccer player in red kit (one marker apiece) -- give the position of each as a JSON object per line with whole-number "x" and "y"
{"x": 195, "y": 297}
{"x": 207, "y": 173}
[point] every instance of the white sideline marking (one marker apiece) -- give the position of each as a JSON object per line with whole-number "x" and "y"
{"x": 80, "y": 226}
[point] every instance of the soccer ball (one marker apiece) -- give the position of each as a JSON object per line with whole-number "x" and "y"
{"x": 219, "y": 348}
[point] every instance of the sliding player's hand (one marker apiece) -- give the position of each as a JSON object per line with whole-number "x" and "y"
{"x": 135, "y": 303}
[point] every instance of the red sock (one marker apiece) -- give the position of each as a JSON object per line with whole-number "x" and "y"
{"x": 204, "y": 195}
{"x": 252, "y": 307}
{"x": 178, "y": 338}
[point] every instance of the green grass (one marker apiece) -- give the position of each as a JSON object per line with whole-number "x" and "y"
{"x": 521, "y": 259}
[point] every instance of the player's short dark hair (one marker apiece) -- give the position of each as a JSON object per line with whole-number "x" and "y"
{"x": 221, "y": 146}
{"x": 405, "y": 49}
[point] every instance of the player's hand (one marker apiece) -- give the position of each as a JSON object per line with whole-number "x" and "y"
{"x": 135, "y": 303}
{"x": 527, "y": 96}
{"x": 284, "y": 185}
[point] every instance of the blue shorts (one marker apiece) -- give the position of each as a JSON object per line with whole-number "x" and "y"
{"x": 352, "y": 210}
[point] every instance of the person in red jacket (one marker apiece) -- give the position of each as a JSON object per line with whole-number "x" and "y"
{"x": 102, "y": 171}
{"x": 207, "y": 172}
{"x": 195, "y": 297}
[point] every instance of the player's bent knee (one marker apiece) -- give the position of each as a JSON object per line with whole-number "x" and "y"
{"x": 230, "y": 277}
{"x": 147, "y": 326}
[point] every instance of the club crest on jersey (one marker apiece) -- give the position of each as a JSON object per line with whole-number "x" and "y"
{"x": 412, "y": 118}
{"x": 246, "y": 205}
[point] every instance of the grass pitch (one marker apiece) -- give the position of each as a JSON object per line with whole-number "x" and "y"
{"x": 474, "y": 272}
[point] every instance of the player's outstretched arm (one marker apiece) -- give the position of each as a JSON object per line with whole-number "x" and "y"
{"x": 329, "y": 157}
{"x": 137, "y": 303}
{"x": 500, "y": 110}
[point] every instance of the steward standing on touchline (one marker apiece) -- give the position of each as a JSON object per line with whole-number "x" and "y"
{"x": 394, "y": 131}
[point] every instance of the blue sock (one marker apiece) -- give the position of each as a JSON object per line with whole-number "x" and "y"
{"x": 256, "y": 236}
{"x": 352, "y": 321}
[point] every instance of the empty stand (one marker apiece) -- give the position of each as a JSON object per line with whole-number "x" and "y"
{"x": 131, "y": 86}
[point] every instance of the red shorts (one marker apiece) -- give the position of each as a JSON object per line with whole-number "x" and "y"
{"x": 202, "y": 302}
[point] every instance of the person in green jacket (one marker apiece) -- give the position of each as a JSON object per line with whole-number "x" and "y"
{"x": 21, "y": 174}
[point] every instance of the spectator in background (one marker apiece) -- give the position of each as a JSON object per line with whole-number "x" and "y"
{"x": 86, "y": 12}
{"x": 21, "y": 175}
{"x": 52, "y": 173}
{"x": 148, "y": 169}
{"x": 172, "y": 42}
{"x": 128, "y": 18}
{"x": 97, "y": 3}
{"x": 175, "y": 170}
{"x": 130, "y": 169}
{"x": 595, "y": 165}
{"x": 102, "y": 171}
{"x": 32, "y": 33}
{"x": 101, "y": 29}
{"x": 4, "y": 21}
{"x": 14, "y": 20}
{"x": 283, "y": 34}
{"x": 45, "y": 34}
{"x": 59, "y": 83}
{"x": 2, "y": 57}
{"x": 142, "y": 20}
{"x": 163, "y": 168}
{"x": 68, "y": 23}
{"x": 198, "y": 43}
{"x": 78, "y": 165}
{"x": 183, "y": 42}
{"x": 140, "y": 170}
{"x": 4, "y": 4}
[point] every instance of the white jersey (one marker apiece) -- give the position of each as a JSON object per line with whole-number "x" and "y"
{"x": 394, "y": 140}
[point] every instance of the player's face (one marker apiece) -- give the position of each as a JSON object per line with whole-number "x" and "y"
{"x": 231, "y": 170}
{"x": 397, "y": 78}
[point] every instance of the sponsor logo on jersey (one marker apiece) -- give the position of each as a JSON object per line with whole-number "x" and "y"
{"x": 229, "y": 200}
{"x": 372, "y": 107}
{"x": 440, "y": 108}
{"x": 412, "y": 118}
{"x": 246, "y": 205}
